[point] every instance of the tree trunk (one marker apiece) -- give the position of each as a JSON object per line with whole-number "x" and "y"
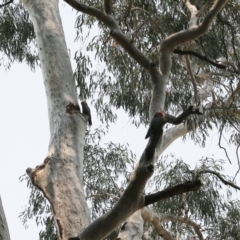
{"x": 60, "y": 176}
{"x": 4, "y": 233}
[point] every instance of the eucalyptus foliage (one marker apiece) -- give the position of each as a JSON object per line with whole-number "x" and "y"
{"x": 116, "y": 81}
{"x": 17, "y": 36}
{"x": 121, "y": 83}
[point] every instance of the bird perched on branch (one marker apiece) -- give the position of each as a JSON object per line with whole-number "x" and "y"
{"x": 86, "y": 111}
{"x": 155, "y": 125}
{"x": 155, "y": 130}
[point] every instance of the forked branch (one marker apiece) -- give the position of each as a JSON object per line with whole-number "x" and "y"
{"x": 153, "y": 217}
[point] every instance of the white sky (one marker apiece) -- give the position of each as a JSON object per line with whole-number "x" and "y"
{"x": 24, "y": 135}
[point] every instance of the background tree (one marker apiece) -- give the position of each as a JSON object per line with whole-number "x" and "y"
{"x": 151, "y": 46}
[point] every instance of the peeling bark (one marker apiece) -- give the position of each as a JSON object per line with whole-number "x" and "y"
{"x": 60, "y": 176}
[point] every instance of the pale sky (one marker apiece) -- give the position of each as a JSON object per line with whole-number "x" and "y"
{"x": 24, "y": 134}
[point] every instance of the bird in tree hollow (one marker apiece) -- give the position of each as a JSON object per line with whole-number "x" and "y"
{"x": 86, "y": 111}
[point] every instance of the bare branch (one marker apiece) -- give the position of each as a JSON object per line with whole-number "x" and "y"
{"x": 172, "y": 191}
{"x": 204, "y": 58}
{"x": 187, "y": 221}
{"x": 192, "y": 77}
{"x": 203, "y": 8}
{"x": 193, "y": 10}
{"x": 238, "y": 162}
{"x": 131, "y": 201}
{"x": 149, "y": 216}
{"x": 195, "y": 32}
{"x": 157, "y": 218}
{"x": 183, "y": 129}
{"x": 108, "y": 6}
{"x": 214, "y": 102}
{"x": 220, "y": 177}
{"x": 131, "y": 49}
{"x": 7, "y": 3}
{"x": 115, "y": 32}
{"x": 219, "y": 143}
{"x": 128, "y": 10}
{"x": 170, "y": 43}
{"x": 233, "y": 94}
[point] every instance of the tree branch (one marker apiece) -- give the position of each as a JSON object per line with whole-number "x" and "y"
{"x": 233, "y": 94}
{"x": 204, "y": 58}
{"x": 108, "y": 6}
{"x": 173, "y": 133}
{"x": 220, "y": 177}
{"x": 5, "y": 4}
{"x": 128, "y": 10}
{"x": 131, "y": 201}
{"x": 170, "y": 43}
{"x": 187, "y": 221}
{"x": 193, "y": 10}
{"x": 238, "y": 162}
{"x": 150, "y": 216}
{"x": 115, "y": 32}
{"x": 132, "y": 198}
{"x": 193, "y": 80}
{"x": 172, "y": 191}
{"x": 219, "y": 142}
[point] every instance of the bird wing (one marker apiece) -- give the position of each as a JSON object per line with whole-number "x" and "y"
{"x": 148, "y": 133}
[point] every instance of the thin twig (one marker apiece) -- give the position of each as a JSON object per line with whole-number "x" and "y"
{"x": 192, "y": 77}
{"x": 220, "y": 177}
{"x": 187, "y": 221}
{"x": 233, "y": 94}
{"x": 238, "y": 163}
{"x": 5, "y": 4}
{"x": 219, "y": 143}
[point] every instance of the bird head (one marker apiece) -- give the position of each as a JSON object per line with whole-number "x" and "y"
{"x": 161, "y": 114}
{"x": 83, "y": 103}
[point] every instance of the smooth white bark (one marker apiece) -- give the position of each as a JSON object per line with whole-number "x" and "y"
{"x": 132, "y": 229}
{"x": 4, "y": 233}
{"x": 60, "y": 176}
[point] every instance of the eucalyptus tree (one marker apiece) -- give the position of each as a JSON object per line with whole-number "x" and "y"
{"x": 158, "y": 55}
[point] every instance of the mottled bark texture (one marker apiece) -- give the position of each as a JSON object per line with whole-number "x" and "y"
{"x": 60, "y": 176}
